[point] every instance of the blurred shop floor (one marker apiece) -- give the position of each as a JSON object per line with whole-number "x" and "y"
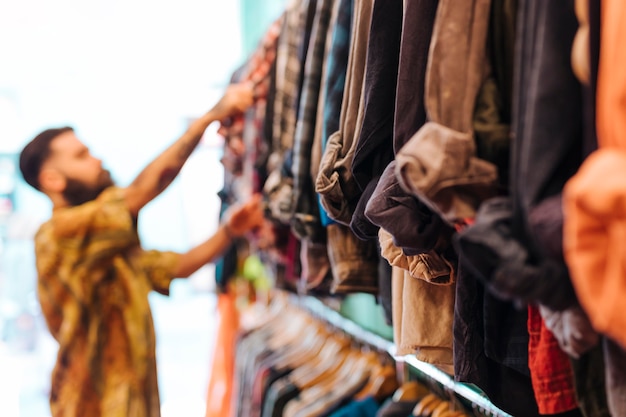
{"x": 185, "y": 326}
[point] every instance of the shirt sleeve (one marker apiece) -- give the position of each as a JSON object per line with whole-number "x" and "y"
{"x": 159, "y": 267}
{"x": 102, "y": 228}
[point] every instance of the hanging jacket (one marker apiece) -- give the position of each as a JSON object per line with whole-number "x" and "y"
{"x": 305, "y": 222}
{"x": 417, "y": 29}
{"x": 501, "y": 248}
{"x": 374, "y": 145}
{"x": 334, "y": 182}
{"x": 291, "y": 54}
{"x": 331, "y": 95}
{"x": 412, "y": 226}
{"x": 439, "y": 164}
{"x": 424, "y": 230}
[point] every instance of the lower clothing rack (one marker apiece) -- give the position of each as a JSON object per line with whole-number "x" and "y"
{"x": 459, "y": 393}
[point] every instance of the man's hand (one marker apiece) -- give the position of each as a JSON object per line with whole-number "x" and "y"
{"x": 236, "y": 100}
{"x": 246, "y": 217}
{"x": 240, "y": 220}
{"x": 161, "y": 172}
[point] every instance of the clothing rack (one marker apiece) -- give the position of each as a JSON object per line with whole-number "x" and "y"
{"x": 424, "y": 372}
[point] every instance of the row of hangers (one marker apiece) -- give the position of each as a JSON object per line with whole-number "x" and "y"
{"x": 456, "y": 397}
{"x": 324, "y": 358}
{"x": 328, "y": 352}
{"x": 428, "y": 404}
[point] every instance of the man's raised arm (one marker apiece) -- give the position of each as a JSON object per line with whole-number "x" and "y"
{"x": 164, "y": 168}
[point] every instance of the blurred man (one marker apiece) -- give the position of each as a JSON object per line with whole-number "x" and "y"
{"x": 93, "y": 275}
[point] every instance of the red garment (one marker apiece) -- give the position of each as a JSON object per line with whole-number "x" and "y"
{"x": 550, "y": 369}
{"x": 221, "y": 381}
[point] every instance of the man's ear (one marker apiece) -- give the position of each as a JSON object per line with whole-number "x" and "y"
{"x": 51, "y": 180}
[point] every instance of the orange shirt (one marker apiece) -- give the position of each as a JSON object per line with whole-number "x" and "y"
{"x": 595, "y": 198}
{"x": 93, "y": 287}
{"x": 611, "y": 95}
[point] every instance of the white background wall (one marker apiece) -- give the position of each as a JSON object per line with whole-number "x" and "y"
{"x": 127, "y": 75}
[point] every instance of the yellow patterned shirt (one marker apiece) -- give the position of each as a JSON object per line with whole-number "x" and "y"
{"x": 93, "y": 287}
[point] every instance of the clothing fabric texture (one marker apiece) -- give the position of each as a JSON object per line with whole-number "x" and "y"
{"x": 493, "y": 254}
{"x": 256, "y": 71}
{"x": 572, "y": 330}
{"x": 93, "y": 285}
{"x": 374, "y": 145}
{"x": 360, "y": 225}
{"x": 548, "y": 146}
{"x": 422, "y": 319}
{"x": 384, "y": 201}
{"x": 429, "y": 267}
{"x": 439, "y": 164}
{"x": 417, "y": 28}
{"x": 354, "y": 262}
{"x": 336, "y": 68}
{"x": 493, "y": 110}
{"x": 525, "y": 256}
{"x": 420, "y": 232}
{"x": 594, "y": 198}
{"x": 593, "y": 235}
{"x": 305, "y": 222}
{"x": 491, "y": 346}
{"x": 318, "y": 141}
{"x": 591, "y": 387}
{"x": 334, "y": 182}
{"x": 545, "y": 154}
{"x": 550, "y": 368}
{"x": 615, "y": 371}
{"x": 383, "y": 297}
{"x": 291, "y": 50}
{"x": 599, "y": 383}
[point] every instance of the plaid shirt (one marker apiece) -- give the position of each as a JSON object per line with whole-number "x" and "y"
{"x": 257, "y": 70}
{"x": 303, "y": 197}
{"x": 289, "y": 70}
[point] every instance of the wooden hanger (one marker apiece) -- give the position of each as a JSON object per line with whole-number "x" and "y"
{"x": 426, "y": 406}
{"x": 383, "y": 379}
{"x": 382, "y": 383}
{"x": 451, "y": 413}
{"x": 303, "y": 349}
{"x": 323, "y": 366}
{"x": 292, "y": 325}
{"x": 352, "y": 372}
{"x": 410, "y": 391}
{"x": 441, "y": 408}
{"x": 354, "y": 367}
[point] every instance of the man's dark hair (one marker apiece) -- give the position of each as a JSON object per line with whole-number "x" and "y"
{"x": 36, "y": 153}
